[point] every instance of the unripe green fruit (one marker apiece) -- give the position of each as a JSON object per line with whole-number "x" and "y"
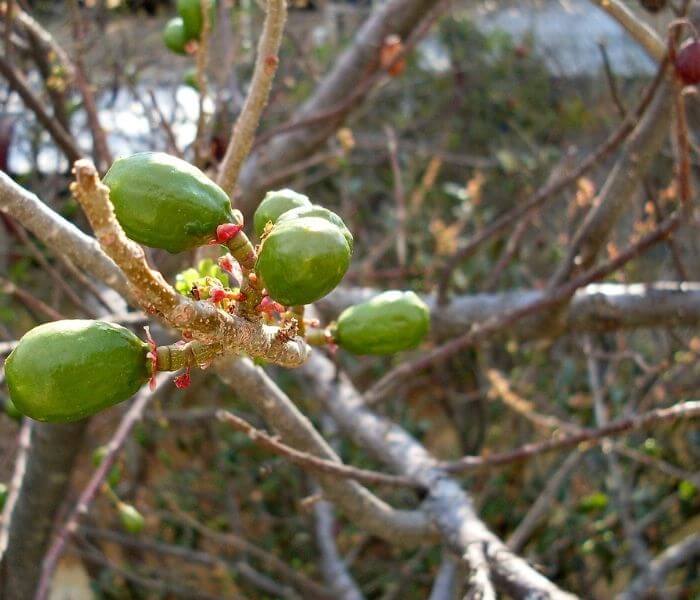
{"x": 320, "y": 212}
{"x": 190, "y": 79}
{"x": 302, "y": 260}
{"x": 131, "y": 519}
{"x": 3, "y": 495}
{"x": 68, "y": 370}
{"x": 191, "y": 13}
{"x": 386, "y": 324}
{"x": 115, "y": 473}
{"x": 11, "y": 410}
{"x": 174, "y": 36}
{"x": 274, "y": 204}
{"x": 164, "y": 202}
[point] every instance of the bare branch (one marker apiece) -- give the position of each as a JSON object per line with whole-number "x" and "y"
{"x": 314, "y": 463}
{"x": 684, "y": 410}
{"x": 265, "y": 68}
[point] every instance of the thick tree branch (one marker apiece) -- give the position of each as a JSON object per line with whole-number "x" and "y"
{"x": 447, "y": 504}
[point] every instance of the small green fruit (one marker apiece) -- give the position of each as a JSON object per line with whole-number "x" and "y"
{"x": 174, "y": 36}
{"x": 302, "y": 260}
{"x": 386, "y": 324}
{"x": 115, "y": 473}
{"x": 190, "y": 79}
{"x": 164, "y": 202}
{"x": 274, "y": 204}
{"x": 3, "y": 495}
{"x": 131, "y": 519}
{"x": 68, "y": 370}
{"x": 320, "y": 212}
{"x": 191, "y": 13}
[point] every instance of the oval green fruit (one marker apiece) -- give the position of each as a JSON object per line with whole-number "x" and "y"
{"x": 11, "y": 410}
{"x": 131, "y": 519}
{"x": 386, "y": 324}
{"x": 302, "y": 260}
{"x": 164, "y": 202}
{"x": 174, "y": 36}
{"x": 190, "y": 79}
{"x": 191, "y": 13}
{"x": 322, "y": 213}
{"x": 275, "y": 204}
{"x": 67, "y": 370}
{"x": 4, "y": 492}
{"x": 115, "y": 473}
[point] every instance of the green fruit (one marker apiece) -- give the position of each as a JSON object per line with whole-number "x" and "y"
{"x": 388, "y": 323}
{"x": 131, "y": 519}
{"x": 190, "y": 79}
{"x": 302, "y": 260}
{"x": 274, "y": 204}
{"x": 3, "y": 495}
{"x": 115, "y": 473}
{"x": 322, "y": 213}
{"x": 164, "y": 202}
{"x": 174, "y": 35}
{"x": 67, "y": 370}
{"x": 191, "y": 13}
{"x": 11, "y": 410}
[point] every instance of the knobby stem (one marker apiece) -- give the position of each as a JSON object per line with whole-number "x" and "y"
{"x": 192, "y": 354}
{"x": 242, "y": 249}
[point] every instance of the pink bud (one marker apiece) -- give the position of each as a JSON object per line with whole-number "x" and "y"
{"x": 183, "y": 381}
{"x": 226, "y": 231}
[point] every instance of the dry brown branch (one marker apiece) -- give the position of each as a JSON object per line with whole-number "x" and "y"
{"x": 265, "y": 68}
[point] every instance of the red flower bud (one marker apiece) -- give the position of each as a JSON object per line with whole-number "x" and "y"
{"x": 226, "y": 231}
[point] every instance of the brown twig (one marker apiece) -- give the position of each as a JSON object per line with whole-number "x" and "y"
{"x": 200, "y": 149}
{"x": 399, "y": 195}
{"x": 265, "y": 68}
{"x": 314, "y": 463}
{"x": 8, "y": 287}
{"x": 685, "y": 410}
{"x": 17, "y": 82}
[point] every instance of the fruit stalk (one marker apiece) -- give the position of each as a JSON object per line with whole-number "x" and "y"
{"x": 179, "y": 356}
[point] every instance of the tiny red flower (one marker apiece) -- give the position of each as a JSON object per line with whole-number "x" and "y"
{"x": 217, "y": 294}
{"x": 183, "y": 381}
{"x": 269, "y": 306}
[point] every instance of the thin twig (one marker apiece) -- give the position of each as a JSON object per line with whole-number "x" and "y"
{"x": 309, "y": 461}
{"x": 265, "y": 68}
{"x": 685, "y": 410}
{"x": 200, "y": 150}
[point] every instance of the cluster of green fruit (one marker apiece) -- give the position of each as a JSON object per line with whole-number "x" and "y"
{"x": 68, "y": 370}
{"x": 188, "y": 26}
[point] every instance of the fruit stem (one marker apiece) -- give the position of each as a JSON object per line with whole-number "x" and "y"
{"x": 298, "y": 312}
{"x": 242, "y": 249}
{"x": 319, "y": 336}
{"x": 192, "y": 354}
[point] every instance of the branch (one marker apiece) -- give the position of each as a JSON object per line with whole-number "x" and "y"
{"x": 53, "y": 450}
{"x": 618, "y": 190}
{"x": 70, "y": 525}
{"x": 448, "y": 505}
{"x": 594, "y": 308}
{"x": 311, "y": 462}
{"x": 670, "y": 559}
{"x": 333, "y": 566}
{"x": 359, "y": 505}
{"x": 207, "y": 323}
{"x": 64, "y": 140}
{"x": 356, "y": 64}
{"x": 57, "y": 232}
{"x": 447, "y": 584}
{"x": 644, "y": 35}
{"x": 265, "y": 68}
{"x": 684, "y": 410}
{"x": 551, "y": 300}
